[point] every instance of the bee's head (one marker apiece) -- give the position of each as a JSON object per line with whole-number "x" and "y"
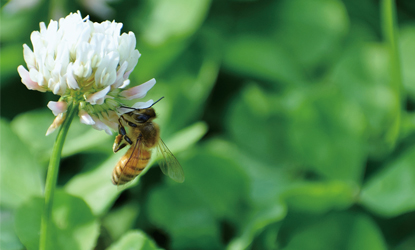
{"x": 144, "y": 115}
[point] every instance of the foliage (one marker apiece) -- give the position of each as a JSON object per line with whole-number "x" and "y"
{"x": 288, "y": 118}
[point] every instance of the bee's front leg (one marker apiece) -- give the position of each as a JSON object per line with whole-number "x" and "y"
{"x": 121, "y": 131}
{"x": 121, "y": 139}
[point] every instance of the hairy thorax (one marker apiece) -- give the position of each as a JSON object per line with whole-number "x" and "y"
{"x": 150, "y": 134}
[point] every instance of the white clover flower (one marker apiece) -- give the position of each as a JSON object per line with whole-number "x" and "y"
{"x": 85, "y": 63}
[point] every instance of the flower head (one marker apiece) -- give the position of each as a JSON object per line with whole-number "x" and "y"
{"x": 85, "y": 63}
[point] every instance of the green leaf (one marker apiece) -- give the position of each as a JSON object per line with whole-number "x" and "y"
{"x": 187, "y": 92}
{"x": 252, "y": 48}
{"x": 118, "y": 221}
{"x": 390, "y": 192}
{"x": 83, "y": 138}
{"x": 339, "y": 231}
{"x": 250, "y": 179}
{"x": 251, "y": 108}
{"x": 165, "y": 31}
{"x": 185, "y": 216}
{"x": 95, "y": 186}
{"x": 74, "y": 226}
{"x": 303, "y": 36}
{"x": 320, "y": 197}
{"x": 266, "y": 183}
{"x": 187, "y": 137}
{"x": 134, "y": 240}
{"x": 220, "y": 179}
{"x": 362, "y": 76}
{"x": 260, "y": 219}
{"x": 261, "y": 58}
{"x": 312, "y": 31}
{"x": 34, "y": 136}
{"x": 407, "y": 124}
{"x": 407, "y": 244}
{"x": 310, "y": 127}
{"x": 324, "y": 130}
{"x": 165, "y": 20}
{"x": 20, "y": 176}
{"x": 8, "y": 239}
{"x": 267, "y": 239}
{"x": 251, "y": 182}
{"x": 80, "y": 137}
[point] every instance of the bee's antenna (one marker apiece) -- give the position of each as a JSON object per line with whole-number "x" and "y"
{"x": 126, "y": 107}
{"x": 156, "y": 101}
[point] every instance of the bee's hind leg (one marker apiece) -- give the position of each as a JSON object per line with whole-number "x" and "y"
{"x": 119, "y": 143}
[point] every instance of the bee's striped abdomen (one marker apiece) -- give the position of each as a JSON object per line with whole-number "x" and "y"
{"x": 130, "y": 165}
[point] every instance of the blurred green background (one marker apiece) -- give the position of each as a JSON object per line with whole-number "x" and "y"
{"x": 285, "y": 115}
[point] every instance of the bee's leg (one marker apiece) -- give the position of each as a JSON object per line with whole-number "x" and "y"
{"x": 131, "y": 124}
{"x": 121, "y": 131}
{"x": 127, "y": 139}
{"x": 119, "y": 143}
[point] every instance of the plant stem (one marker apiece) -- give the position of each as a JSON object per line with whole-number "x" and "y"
{"x": 390, "y": 34}
{"x": 51, "y": 178}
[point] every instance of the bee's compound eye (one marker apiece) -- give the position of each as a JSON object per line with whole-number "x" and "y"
{"x": 142, "y": 118}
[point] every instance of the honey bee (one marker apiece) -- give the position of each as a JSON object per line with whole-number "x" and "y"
{"x": 142, "y": 135}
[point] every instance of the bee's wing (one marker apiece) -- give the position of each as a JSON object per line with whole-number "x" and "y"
{"x": 169, "y": 164}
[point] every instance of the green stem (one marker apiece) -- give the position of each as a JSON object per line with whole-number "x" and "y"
{"x": 390, "y": 34}
{"x": 52, "y": 177}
